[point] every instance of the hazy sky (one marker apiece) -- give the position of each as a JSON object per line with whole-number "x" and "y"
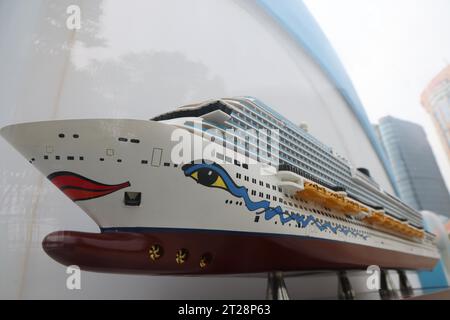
{"x": 391, "y": 50}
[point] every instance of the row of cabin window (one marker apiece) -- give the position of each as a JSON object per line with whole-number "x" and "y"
{"x": 229, "y": 160}
{"x": 68, "y": 157}
{"x": 313, "y": 152}
{"x": 292, "y": 212}
{"x": 79, "y": 158}
{"x": 261, "y": 183}
{"x": 301, "y": 160}
{"x": 310, "y": 146}
{"x": 311, "y": 169}
{"x": 281, "y": 200}
{"x": 166, "y": 164}
{"x": 275, "y": 198}
{"x": 317, "y": 156}
{"x": 121, "y": 139}
{"x": 75, "y": 135}
{"x": 339, "y": 218}
{"x": 268, "y": 185}
{"x": 351, "y": 228}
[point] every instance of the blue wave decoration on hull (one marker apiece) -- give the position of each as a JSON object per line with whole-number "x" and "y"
{"x": 212, "y": 175}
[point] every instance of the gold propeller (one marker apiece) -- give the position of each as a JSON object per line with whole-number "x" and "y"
{"x": 205, "y": 260}
{"x": 155, "y": 252}
{"x": 181, "y": 256}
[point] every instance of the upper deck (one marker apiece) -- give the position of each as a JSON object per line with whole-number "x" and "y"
{"x": 287, "y": 144}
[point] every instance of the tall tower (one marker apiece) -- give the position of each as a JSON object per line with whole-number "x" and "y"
{"x": 417, "y": 175}
{"x": 436, "y": 100}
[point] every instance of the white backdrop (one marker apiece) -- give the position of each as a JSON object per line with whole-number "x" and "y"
{"x": 136, "y": 59}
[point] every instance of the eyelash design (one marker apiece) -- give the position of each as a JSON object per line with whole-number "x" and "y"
{"x": 213, "y": 175}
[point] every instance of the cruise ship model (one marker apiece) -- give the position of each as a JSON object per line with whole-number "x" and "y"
{"x": 226, "y": 186}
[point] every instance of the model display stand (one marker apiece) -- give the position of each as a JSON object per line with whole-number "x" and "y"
{"x": 277, "y": 289}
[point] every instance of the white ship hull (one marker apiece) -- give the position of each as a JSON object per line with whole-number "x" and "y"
{"x": 172, "y": 200}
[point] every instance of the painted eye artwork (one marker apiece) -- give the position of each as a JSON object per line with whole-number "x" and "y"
{"x": 212, "y": 175}
{"x": 209, "y": 178}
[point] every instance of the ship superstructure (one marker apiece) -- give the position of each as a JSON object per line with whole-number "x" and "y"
{"x": 302, "y": 152}
{"x": 268, "y": 195}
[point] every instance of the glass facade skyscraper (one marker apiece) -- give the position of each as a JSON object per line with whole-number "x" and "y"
{"x": 419, "y": 181}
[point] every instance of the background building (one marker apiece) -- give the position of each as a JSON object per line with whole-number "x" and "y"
{"x": 417, "y": 175}
{"x": 173, "y": 53}
{"x": 436, "y": 100}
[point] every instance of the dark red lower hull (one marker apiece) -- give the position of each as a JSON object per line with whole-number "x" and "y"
{"x": 227, "y": 252}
